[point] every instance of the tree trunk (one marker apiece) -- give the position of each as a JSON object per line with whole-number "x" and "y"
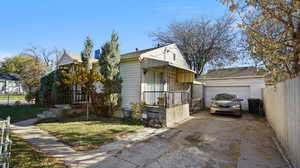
{"x": 87, "y": 107}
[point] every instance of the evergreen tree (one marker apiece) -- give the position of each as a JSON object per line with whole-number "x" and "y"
{"x": 87, "y": 52}
{"x": 109, "y": 68}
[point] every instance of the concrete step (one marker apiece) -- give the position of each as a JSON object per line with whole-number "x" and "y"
{"x": 63, "y": 106}
{"x": 41, "y": 116}
{"x": 154, "y": 109}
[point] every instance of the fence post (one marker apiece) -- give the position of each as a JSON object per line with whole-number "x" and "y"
{"x": 5, "y": 143}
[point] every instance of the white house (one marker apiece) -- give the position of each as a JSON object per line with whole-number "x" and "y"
{"x": 10, "y": 83}
{"x": 148, "y": 75}
{"x": 245, "y": 82}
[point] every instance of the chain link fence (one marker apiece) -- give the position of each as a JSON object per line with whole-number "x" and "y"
{"x": 5, "y": 143}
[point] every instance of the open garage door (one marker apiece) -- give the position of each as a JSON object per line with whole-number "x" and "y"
{"x": 242, "y": 92}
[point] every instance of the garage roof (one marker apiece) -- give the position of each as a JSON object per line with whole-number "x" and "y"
{"x": 9, "y": 76}
{"x": 234, "y": 72}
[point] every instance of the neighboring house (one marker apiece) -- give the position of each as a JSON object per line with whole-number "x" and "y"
{"x": 158, "y": 76}
{"x": 10, "y": 83}
{"x": 245, "y": 82}
{"x": 68, "y": 61}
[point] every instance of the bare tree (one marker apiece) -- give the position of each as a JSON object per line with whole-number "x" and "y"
{"x": 48, "y": 56}
{"x": 203, "y": 42}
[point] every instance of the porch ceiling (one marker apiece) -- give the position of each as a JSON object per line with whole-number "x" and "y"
{"x": 183, "y": 75}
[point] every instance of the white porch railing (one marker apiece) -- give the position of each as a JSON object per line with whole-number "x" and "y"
{"x": 5, "y": 143}
{"x": 165, "y": 99}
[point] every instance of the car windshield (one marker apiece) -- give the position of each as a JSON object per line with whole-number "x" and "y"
{"x": 224, "y": 96}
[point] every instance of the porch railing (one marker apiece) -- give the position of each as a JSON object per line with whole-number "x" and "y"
{"x": 165, "y": 99}
{"x": 5, "y": 143}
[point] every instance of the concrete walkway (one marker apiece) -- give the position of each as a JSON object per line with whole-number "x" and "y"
{"x": 205, "y": 141}
{"x": 72, "y": 158}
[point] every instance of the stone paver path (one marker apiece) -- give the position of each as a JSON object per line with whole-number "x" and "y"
{"x": 52, "y": 146}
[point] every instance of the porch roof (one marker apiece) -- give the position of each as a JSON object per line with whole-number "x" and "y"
{"x": 153, "y": 63}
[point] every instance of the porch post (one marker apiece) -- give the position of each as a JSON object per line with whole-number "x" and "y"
{"x": 168, "y": 85}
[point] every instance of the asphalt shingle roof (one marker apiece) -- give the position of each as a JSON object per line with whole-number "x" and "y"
{"x": 139, "y": 52}
{"x": 233, "y": 72}
{"x": 9, "y": 76}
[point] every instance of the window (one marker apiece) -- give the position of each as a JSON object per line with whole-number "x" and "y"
{"x": 174, "y": 57}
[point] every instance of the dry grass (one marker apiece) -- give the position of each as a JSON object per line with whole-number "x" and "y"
{"x": 85, "y": 135}
{"x": 25, "y": 155}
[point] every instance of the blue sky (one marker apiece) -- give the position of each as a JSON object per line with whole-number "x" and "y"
{"x": 65, "y": 23}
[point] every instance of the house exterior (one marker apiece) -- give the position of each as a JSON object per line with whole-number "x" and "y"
{"x": 10, "y": 83}
{"x": 68, "y": 61}
{"x": 148, "y": 74}
{"x": 158, "y": 76}
{"x": 245, "y": 82}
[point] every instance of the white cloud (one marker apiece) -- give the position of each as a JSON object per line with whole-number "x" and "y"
{"x": 6, "y": 54}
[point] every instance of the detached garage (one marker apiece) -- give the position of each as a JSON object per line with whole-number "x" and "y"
{"x": 245, "y": 82}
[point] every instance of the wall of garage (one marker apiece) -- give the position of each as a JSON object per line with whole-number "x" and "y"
{"x": 244, "y": 88}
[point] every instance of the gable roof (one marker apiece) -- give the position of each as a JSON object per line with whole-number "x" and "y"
{"x": 72, "y": 57}
{"x": 139, "y": 52}
{"x": 234, "y": 72}
{"x": 9, "y": 76}
{"x": 75, "y": 57}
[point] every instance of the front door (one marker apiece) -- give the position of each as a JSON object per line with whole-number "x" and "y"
{"x": 154, "y": 86}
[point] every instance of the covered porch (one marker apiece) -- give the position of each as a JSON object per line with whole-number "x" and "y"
{"x": 166, "y": 90}
{"x": 164, "y": 84}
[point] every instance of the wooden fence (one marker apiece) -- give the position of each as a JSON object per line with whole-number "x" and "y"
{"x": 5, "y": 143}
{"x": 282, "y": 106}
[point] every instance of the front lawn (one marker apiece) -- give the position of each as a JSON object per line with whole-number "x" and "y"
{"x": 12, "y": 97}
{"x": 86, "y": 135}
{"x": 25, "y": 155}
{"x": 20, "y": 112}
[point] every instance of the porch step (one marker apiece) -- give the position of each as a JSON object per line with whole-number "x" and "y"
{"x": 154, "y": 109}
{"x": 155, "y": 112}
{"x": 54, "y": 112}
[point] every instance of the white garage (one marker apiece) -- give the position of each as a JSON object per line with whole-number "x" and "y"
{"x": 245, "y": 82}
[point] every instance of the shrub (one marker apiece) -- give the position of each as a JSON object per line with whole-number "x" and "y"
{"x": 18, "y": 102}
{"x": 29, "y": 97}
{"x": 138, "y": 109}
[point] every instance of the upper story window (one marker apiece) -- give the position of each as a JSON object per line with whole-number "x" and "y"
{"x": 174, "y": 57}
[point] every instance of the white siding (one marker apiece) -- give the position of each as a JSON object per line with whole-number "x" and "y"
{"x": 168, "y": 53}
{"x": 130, "y": 74}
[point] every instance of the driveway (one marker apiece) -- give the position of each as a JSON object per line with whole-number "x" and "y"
{"x": 205, "y": 141}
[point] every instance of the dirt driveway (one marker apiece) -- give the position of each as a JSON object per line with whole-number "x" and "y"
{"x": 205, "y": 141}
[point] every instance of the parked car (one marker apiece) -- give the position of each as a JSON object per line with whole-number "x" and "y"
{"x": 226, "y": 104}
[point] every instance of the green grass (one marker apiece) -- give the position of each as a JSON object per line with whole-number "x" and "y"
{"x": 25, "y": 155}
{"x": 20, "y": 112}
{"x": 12, "y": 97}
{"x": 85, "y": 135}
